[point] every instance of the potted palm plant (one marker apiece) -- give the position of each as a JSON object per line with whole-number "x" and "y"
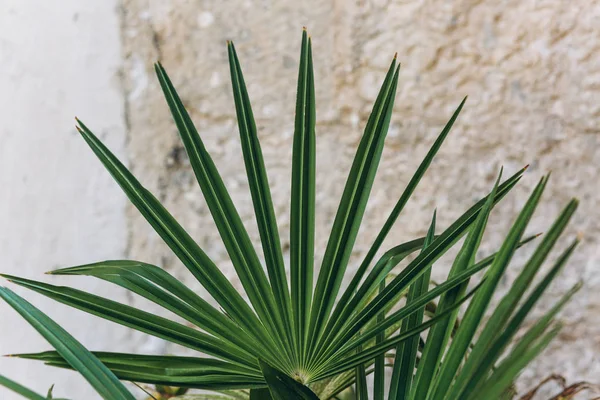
{"x": 305, "y": 336}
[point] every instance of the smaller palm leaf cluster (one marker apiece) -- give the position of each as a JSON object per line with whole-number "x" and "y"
{"x": 293, "y": 339}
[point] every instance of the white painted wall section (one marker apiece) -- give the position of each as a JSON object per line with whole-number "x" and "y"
{"x": 58, "y": 207}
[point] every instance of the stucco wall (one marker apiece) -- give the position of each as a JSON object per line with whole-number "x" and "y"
{"x": 531, "y": 70}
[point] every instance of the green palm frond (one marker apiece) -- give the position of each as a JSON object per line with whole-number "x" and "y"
{"x": 307, "y": 337}
{"x": 70, "y": 350}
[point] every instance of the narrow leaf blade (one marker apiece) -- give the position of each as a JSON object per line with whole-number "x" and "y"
{"x": 406, "y": 353}
{"x": 347, "y": 324}
{"x": 227, "y": 220}
{"x": 180, "y": 242}
{"x": 352, "y": 206}
{"x": 260, "y": 192}
{"x": 478, "y": 306}
{"x": 406, "y": 195}
{"x": 140, "y": 320}
{"x": 302, "y": 211}
{"x": 101, "y": 378}
{"x": 20, "y": 389}
{"x": 199, "y": 373}
{"x": 160, "y": 287}
{"x": 496, "y": 324}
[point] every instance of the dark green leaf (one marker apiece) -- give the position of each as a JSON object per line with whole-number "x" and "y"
{"x": 349, "y": 324}
{"x": 168, "y": 366}
{"x": 20, "y": 389}
{"x": 472, "y": 319}
{"x": 406, "y": 352}
{"x": 352, "y": 206}
{"x": 197, "y": 377}
{"x": 101, "y": 378}
{"x": 506, "y": 374}
{"x": 228, "y": 222}
{"x": 163, "y": 289}
{"x": 302, "y": 212}
{"x": 260, "y": 192}
{"x": 343, "y": 362}
{"x": 496, "y": 324}
{"x": 361, "y": 383}
{"x": 408, "y": 191}
{"x": 186, "y": 249}
{"x": 260, "y": 394}
{"x": 475, "y": 379}
{"x": 440, "y": 334}
{"x": 140, "y": 320}
{"x": 523, "y": 352}
{"x": 283, "y": 387}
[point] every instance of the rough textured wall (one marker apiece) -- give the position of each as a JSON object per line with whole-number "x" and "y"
{"x": 58, "y": 207}
{"x": 531, "y": 70}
